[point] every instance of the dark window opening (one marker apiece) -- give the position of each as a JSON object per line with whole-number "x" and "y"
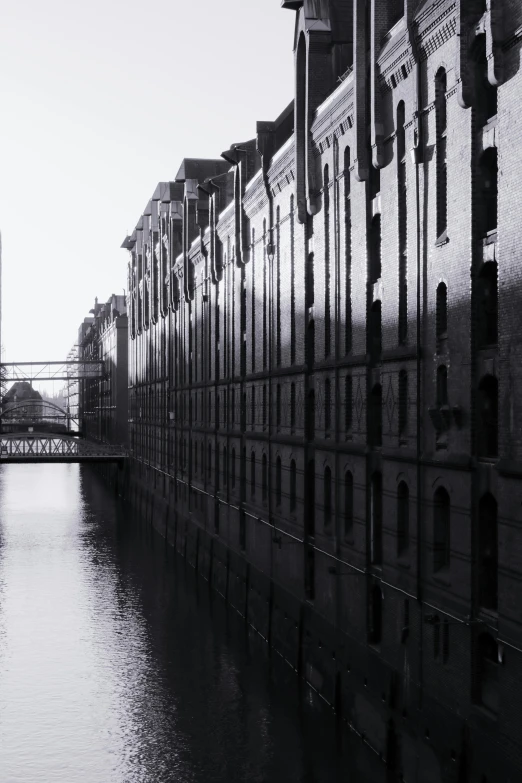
{"x": 375, "y": 412}
{"x": 488, "y": 553}
{"x": 327, "y": 407}
{"x": 487, "y": 419}
{"x": 485, "y": 93}
{"x": 253, "y": 474}
{"x": 278, "y": 406}
{"x": 375, "y": 249}
{"x": 264, "y": 478}
{"x": 441, "y": 529}
{"x": 293, "y": 485}
{"x": 310, "y": 423}
{"x": 441, "y": 314}
{"x": 403, "y": 402}
{"x": 442, "y": 385}
{"x": 489, "y": 183}
{"x": 488, "y": 304}
{"x": 376, "y": 331}
{"x": 310, "y": 345}
{"x": 348, "y": 504}
{"x": 233, "y": 469}
{"x": 278, "y": 481}
{"x": 310, "y": 498}
{"x": 310, "y": 280}
{"x": 441, "y": 151}
{"x": 292, "y": 407}
{"x": 348, "y": 403}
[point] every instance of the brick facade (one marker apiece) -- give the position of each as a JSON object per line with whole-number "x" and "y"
{"x": 324, "y": 413}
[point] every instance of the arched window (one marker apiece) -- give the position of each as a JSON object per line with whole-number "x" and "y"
{"x": 279, "y": 479}
{"x": 403, "y": 519}
{"x": 488, "y": 304}
{"x": 403, "y": 227}
{"x": 293, "y": 485}
{"x": 253, "y": 474}
{"x": 442, "y": 385}
{"x": 487, "y": 419}
{"x": 441, "y": 151}
{"x": 264, "y": 478}
{"x": 327, "y": 407}
{"x": 348, "y": 504}
{"x": 375, "y": 249}
{"x": 376, "y": 416}
{"x": 327, "y": 492}
{"x": 441, "y": 529}
{"x": 488, "y": 553}
{"x": 233, "y": 469}
{"x": 375, "y": 615}
{"x": 489, "y": 181}
{"x": 487, "y": 665}
{"x": 403, "y": 403}
{"x": 376, "y": 519}
{"x": 441, "y": 314}
{"x": 348, "y": 403}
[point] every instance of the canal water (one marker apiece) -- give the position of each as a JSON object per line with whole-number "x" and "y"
{"x": 118, "y": 664}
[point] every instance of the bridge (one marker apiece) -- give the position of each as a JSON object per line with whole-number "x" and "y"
{"x": 42, "y": 447}
{"x": 35, "y": 430}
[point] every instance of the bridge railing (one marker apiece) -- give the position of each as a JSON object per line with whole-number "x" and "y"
{"x": 19, "y": 448}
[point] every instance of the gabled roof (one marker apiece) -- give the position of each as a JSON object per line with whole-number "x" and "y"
{"x": 201, "y": 168}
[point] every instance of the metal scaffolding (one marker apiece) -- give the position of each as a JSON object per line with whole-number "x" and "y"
{"x": 51, "y": 371}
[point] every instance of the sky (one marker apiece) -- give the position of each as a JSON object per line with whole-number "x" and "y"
{"x": 100, "y": 101}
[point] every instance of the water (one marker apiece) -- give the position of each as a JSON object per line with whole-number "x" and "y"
{"x": 117, "y": 664}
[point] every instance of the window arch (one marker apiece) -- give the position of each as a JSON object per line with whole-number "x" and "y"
{"x": 487, "y": 419}
{"x": 376, "y": 519}
{"x": 348, "y": 504}
{"x": 327, "y": 494}
{"x": 441, "y": 529}
{"x": 403, "y": 519}
{"x": 488, "y": 552}
{"x": 441, "y": 151}
{"x": 293, "y": 485}
{"x": 488, "y": 304}
{"x": 489, "y": 182}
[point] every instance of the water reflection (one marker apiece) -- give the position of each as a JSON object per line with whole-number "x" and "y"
{"x": 116, "y": 664}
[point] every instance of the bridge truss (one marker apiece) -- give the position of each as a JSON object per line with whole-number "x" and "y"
{"x": 42, "y": 447}
{"x": 72, "y": 370}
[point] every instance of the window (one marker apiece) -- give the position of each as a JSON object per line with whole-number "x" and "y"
{"x": 487, "y": 290}
{"x": 327, "y": 491}
{"x": 278, "y": 406}
{"x": 375, "y": 615}
{"x": 209, "y": 462}
{"x": 233, "y": 469}
{"x": 293, "y": 485}
{"x": 310, "y": 498}
{"x": 442, "y": 385}
{"x": 375, "y": 249}
{"x": 376, "y": 416}
{"x": 253, "y": 474}
{"x": 253, "y": 407}
{"x": 278, "y": 287}
{"x": 489, "y": 181}
{"x": 348, "y": 251}
{"x": 311, "y": 415}
{"x": 396, "y": 11}
{"x": 376, "y": 519}
{"x": 327, "y": 407}
{"x": 218, "y": 466}
{"x": 292, "y": 407}
{"x": 488, "y": 553}
{"x": 487, "y": 419}
{"x": 278, "y": 481}
{"x": 441, "y": 152}
{"x": 265, "y": 406}
{"x": 348, "y": 403}
{"x": 225, "y": 466}
{"x": 264, "y": 478}
{"x": 441, "y": 530}
{"x": 310, "y": 345}
{"x": 403, "y": 228}
{"x": 485, "y": 93}
{"x": 403, "y": 403}
{"x": 487, "y": 665}
{"x": 292, "y": 281}
{"x": 403, "y": 519}
{"x": 348, "y": 504}
{"x": 441, "y": 314}
{"x": 376, "y": 332}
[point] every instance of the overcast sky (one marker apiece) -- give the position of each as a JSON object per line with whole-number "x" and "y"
{"x": 101, "y": 99}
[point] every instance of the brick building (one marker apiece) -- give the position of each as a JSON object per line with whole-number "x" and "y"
{"x": 324, "y": 415}
{"x": 102, "y": 404}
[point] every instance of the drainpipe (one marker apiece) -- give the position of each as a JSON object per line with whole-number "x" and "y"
{"x": 416, "y": 155}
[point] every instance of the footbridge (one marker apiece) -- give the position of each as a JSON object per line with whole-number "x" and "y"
{"x": 43, "y": 447}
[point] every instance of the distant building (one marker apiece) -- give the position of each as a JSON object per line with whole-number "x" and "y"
{"x": 22, "y": 407}
{"x": 101, "y": 404}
